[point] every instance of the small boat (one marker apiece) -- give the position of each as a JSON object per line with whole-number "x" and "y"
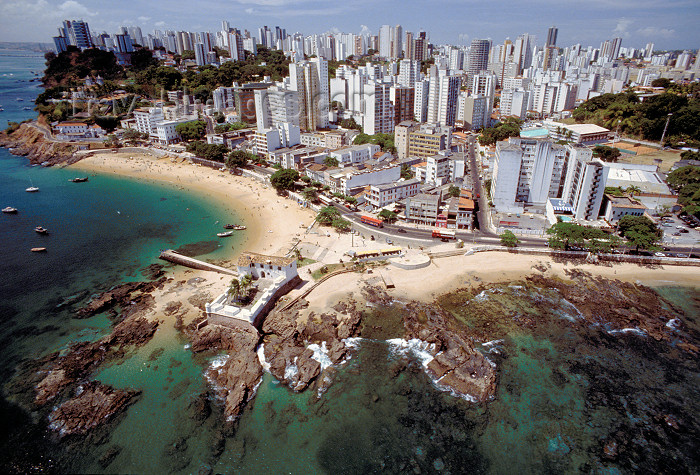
{"x": 38, "y": 249}
{"x": 27, "y": 108}
{"x": 9, "y": 210}
{"x": 79, "y": 180}
{"x": 41, "y": 230}
{"x": 32, "y": 189}
{"x": 19, "y": 99}
{"x": 239, "y": 227}
{"x": 226, "y": 234}
{"x": 229, "y": 226}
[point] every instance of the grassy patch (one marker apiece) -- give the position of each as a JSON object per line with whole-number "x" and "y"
{"x": 327, "y": 269}
{"x": 304, "y": 262}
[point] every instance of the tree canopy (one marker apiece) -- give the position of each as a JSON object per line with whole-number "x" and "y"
{"x": 566, "y": 235}
{"x": 284, "y": 179}
{"x": 510, "y": 127}
{"x": 327, "y": 215}
{"x": 606, "y": 154}
{"x": 330, "y": 161}
{"x": 385, "y": 141}
{"x": 646, "y": 119}
{"x": 239, "y": 158}
{"x": 208, "y": 151}
{"x": 388, "y": 216}
{"x": 193, "y": 130}
{"x": 508, "y": 239}
{"x": 640, "y": 232}
{"x": 71, "y": 66}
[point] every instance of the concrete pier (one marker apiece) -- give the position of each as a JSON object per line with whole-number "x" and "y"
{"x": 176, "y": 258}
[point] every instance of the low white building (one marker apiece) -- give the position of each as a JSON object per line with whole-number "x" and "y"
{"x": 346, "y": 181}
{"x": 355, "y": 154}
{"x": 586, "y": 134}
{"x": 65, "y": 128}
{"x": 166, "y": 131}
{"x": 619, "y": 206}
{"x": 275, "y": 276}
{"x": 382, "y": 195}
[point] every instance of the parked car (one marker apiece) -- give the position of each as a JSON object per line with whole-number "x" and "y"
{"x": 659, "y": 254}
{"x": 677, "y": 233}
{"x": 401, "y": 230}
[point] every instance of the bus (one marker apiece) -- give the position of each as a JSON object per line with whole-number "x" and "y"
{"x": 325, "y": 200}
{"x": 376, "y": 222}
{"x": 444, "y": 233}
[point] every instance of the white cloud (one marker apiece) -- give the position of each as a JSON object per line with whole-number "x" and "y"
{"x": 250, "y": 11}
{"x": 463, "y": 37}
{"x": 159, "y": 24}
{"x": 364, "y": 30}
{"x": 144, "y": 18}
{"x": 622, "y": 27}
{"x": 656, "y": 32}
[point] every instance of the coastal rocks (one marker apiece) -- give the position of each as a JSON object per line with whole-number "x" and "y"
{"x": 618, "y": 306}
{"x": 30, "y": 141}
{"x": 236, "y": 380}
{"x": 95, "y": 404}
{"x": 83, "y": 358}
{"x": 288, "y": 337}
{"x": 121, "y": 295}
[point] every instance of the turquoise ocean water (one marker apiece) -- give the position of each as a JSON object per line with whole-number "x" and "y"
{"x": 563, "y": 394}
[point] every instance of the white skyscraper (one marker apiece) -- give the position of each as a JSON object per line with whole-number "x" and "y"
{"x": 310, "y": 80}
{"x": 409, "y": 72}
{"x": 442, "y": 98}
{"x": 385, "y": 34}
{"x": 420, "y": 102}
{"x": 200, "y": 56}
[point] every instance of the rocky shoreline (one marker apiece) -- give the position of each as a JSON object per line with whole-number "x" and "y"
{"x": 30, "y": 141}
{"x": 63, "y": 378}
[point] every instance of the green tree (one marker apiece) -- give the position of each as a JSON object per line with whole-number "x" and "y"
{"x": 607, "y": 154}
{"x": 327, "y": 214}
{"x": 661, "y": 82}
{"x": 340, "y": 224}
{"x": 510, "y": 127}
{"x": 330, "y": 161}
{"x": 239, "y": 158}
{"x": 194, "y": 130}
{"x": 388, "y": 216}
{"x": 310, "y": 193}
{"x": 246, "y": 283}
{"x": 508, "y": 239}
{"x": 142, "y": 59}
{"x": 564, "y": 235}
{"x": 187, "y": 54}
{"x": 208, "y": 151}
{"x": 640, "y": 232}
{"x": 406, "y": 172}
{"x": 284, "y": 179}
{"x": 132, "y": 135}
{"x": 454, "y": 191}
{"x": 234, "y": 290}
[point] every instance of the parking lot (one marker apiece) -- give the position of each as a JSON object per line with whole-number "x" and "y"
{"x": 677, "y": 233}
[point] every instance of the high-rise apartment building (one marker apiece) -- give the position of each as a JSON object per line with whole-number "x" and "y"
{"x": 378, "y": 109}
{"x": 442, "y": 98}
{"x": 478, "y": 57}
{"x": 409, "y": 72}
{"x": 310, "y": 80}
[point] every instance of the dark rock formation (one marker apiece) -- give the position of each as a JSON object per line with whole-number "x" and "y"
{"x": 30, "y": 141}
{"x": 83, "y": 358}
{"x": 237, "y": 379}
{"x": 122, "y": 296}
{"x": 95, "y": 404}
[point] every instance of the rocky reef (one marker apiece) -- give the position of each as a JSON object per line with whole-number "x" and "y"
{"x": 94, "y": 404}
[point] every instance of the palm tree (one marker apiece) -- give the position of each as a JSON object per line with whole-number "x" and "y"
{"x": 234, "y": 290}
{"x": 246, "y": 282}
{"x": 297, "y": 254}
{"x": 633, "y": 190}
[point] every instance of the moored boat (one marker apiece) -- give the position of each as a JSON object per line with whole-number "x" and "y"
{"x": 9, "y": 210}
{"x": 239, "y": 227}
{"x": 229, "y": 226}
{"x": 32, "y": 189}
{"x": 41, "y": 230}
{"x": 226, "y": 234}
{"x": 38, "y": 249}
{"x": 79, "y": 180}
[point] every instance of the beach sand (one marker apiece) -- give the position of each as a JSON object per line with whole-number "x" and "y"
{"x": 451, "y": 273}
{"x": 274, "y": 225}
{"x": 272, "y": 221}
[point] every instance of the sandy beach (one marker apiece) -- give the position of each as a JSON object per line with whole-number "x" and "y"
{"x": 274, "y": 226}
{"x": 272, "y": 222}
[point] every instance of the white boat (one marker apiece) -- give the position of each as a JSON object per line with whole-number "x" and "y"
{"x": 9, "y": 210}
{"x": 32, "y": 189}
{"x": 226, "y": 234}
{"x": 239, "y": 227}
{"x": 41, "y": 230}
{"x": 38, "y": 249}
{"x": 19, "y": 99}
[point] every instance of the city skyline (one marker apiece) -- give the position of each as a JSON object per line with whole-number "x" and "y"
{"x": 669, "y": 26}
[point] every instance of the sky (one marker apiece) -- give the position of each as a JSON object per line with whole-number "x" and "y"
{"x": 669, "y": 24}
